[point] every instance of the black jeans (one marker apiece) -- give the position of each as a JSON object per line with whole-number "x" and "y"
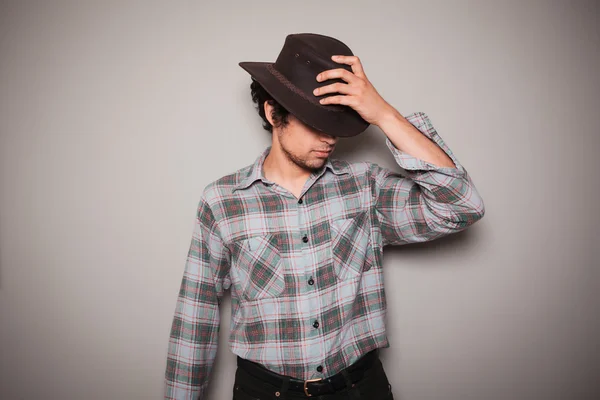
{"x": 365, "y": 379}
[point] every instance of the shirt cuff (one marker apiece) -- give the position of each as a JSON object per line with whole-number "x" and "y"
{"x": 413, "y": 165}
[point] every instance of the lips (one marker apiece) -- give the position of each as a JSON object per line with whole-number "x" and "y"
{"x": 323, "y": 153}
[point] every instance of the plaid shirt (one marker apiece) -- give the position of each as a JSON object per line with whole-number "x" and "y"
{"x": 306, "y": 273}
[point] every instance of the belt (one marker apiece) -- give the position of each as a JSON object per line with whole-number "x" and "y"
{"x": 312, "y": 387}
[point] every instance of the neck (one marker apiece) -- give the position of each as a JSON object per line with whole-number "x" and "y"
{"x": 278, "y": 167}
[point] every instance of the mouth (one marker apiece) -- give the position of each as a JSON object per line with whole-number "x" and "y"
{"x": 323, "y": 153}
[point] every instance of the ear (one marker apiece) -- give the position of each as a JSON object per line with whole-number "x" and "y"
{"x": 268, "y": 110}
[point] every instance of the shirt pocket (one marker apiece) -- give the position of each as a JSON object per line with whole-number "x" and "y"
{"x": 350, "y": 242}
{"x": 261, "y": 267}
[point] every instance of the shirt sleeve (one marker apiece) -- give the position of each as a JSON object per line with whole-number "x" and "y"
{"x": 430, "y": 202}
{"x": 195, "y": 328}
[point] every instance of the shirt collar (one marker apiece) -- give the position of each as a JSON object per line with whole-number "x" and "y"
{"x": 255, "y": 172}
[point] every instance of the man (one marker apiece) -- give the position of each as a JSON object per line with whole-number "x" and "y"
{"x": 298, "y": 236}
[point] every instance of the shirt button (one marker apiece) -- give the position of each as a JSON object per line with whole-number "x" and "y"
{"x": 305, "y": 239}
{"x": 319, "y": 368}
{"x": 300, "y": 201}
{"x": 316, "y": 324}
{"x": 311, "y": 281}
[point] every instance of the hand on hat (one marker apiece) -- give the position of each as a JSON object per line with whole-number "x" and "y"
{"x": 358, "y": 93}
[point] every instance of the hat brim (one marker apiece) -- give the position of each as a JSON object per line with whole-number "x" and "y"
{"x": 341, "y": 124}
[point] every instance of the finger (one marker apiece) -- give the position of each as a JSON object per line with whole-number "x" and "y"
{"x": 337, "y": 73}
{"x": 335, "y": 87}
{"x": 354, "y": 63}
{"x": 345, "y": 100}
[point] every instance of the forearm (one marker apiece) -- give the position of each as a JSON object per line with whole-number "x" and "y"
{"x": 410, "y": 140}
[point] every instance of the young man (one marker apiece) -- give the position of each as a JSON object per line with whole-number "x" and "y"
{"x": 298, "y": 236}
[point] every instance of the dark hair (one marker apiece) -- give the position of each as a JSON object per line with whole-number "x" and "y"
{"x": 279, "y": 114}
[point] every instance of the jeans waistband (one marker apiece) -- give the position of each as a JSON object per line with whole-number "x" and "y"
{"x": 327, "y": 385}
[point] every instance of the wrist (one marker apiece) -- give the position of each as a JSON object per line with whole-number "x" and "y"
{"x": 390, "y": 116}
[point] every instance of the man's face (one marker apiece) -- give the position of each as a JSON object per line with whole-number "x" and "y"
{"x": 301, "y": 143}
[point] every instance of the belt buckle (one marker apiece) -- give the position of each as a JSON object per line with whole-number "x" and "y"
{"x": 310, "y": 380}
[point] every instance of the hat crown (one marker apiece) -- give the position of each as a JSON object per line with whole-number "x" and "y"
{"x": 305, "y": 55}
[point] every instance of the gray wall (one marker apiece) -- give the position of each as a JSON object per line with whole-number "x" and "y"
{"x": 115, "y": 114}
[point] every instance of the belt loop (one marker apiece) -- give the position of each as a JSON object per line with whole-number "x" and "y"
{"x": 349, "y": 385}
{"x": 347, "y": 378}
{"x": 284, "y": 387}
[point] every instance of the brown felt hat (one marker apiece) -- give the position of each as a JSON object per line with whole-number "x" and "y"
{"x": 291, "y": 80}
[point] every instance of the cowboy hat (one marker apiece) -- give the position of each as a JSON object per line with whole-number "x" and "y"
{"x": 291, "y": 80}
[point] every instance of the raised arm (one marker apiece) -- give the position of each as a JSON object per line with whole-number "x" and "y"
{"x": 432, "y": 201}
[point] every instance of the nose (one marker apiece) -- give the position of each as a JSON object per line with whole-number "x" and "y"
{"x": 330, "y": 138}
